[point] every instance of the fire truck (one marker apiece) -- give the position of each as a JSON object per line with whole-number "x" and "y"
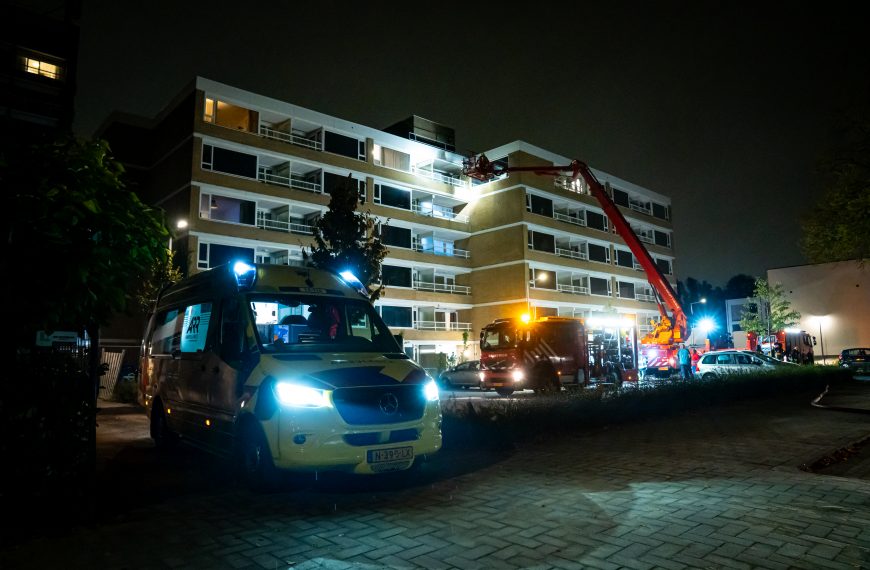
{"x": 541, "y": 354}
{"x": 659, "y": 347}
{"x": 792, "y": 344}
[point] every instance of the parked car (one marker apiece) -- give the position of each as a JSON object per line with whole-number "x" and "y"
{"x": 857, "y": 359}
{"x": 463, "y": 375}
{"x": 716, "y": 363}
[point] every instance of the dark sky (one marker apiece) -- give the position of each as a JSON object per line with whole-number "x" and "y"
{"x": 724, "y": 106}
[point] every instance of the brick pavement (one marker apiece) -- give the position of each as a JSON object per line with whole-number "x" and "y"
{"x": 717, "y": 488}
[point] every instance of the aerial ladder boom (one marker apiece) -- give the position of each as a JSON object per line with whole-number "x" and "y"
{"x": 481, "y": 168}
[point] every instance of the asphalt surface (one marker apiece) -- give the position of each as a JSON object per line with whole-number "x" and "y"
{"x": 762, "y": 484}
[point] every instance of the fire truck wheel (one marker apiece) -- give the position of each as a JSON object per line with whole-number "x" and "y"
{"x": 504, "y": 391}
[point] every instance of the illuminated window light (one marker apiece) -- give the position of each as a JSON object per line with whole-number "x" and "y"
{"x": 42, "y": 68}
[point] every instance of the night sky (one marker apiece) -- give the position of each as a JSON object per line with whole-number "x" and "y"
{"x": 723, "y": 106}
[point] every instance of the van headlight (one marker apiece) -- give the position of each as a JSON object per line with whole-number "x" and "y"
{"x": 296, "y": 395}
{"x": 518, "y": 375}
{"x": 430, "y": 390}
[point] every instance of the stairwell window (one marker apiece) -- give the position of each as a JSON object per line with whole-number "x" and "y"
{"x": 42, "y": 68}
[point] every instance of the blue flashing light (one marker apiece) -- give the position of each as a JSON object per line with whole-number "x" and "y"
{"x": 352, "y": 280}
{"x": 245, "y": 273}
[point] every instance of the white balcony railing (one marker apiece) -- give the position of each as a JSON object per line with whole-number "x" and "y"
{"x": 288, "y": 227}
{"x": 438, "y": 176}
{"x": 442, "y": 288}
{"x": 570, "y": 219}
{"x": 644, "y": 297}
{"x": 270, "y": 133}
{"x": 640, "y": 207}
{"x": 291, "y": 181}
{"x": 442, "y": 250}
{"x": 573, "y": 289}
{"x": 571, "y": 253}
{"x": 442, "y": 212}
{"x": 441, "y": 326}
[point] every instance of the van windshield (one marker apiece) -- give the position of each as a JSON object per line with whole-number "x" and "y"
{"x": 310, "y": 323}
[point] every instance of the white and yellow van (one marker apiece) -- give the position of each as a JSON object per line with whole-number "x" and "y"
{"x": 288, "y": 368}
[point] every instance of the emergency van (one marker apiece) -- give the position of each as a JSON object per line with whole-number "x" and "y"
{"x": 284, "y": 368}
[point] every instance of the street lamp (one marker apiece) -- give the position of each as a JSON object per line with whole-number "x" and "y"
{"x": 691, "y": 305}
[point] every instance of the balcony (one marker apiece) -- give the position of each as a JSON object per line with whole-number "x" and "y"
{"x": 645, "y": 297}
{"x": 274, "y": 134}
{"x": 444, "y": 250}
{"x": 561, "y": 252}
{"x": 577, "y": 221}
{"x": 436, "y": 211}
{"x": 572, "y": 289}
{"x": 441, "y": 326}
{"x": 442, "y": 288}
{"x": 286, "y": 227}
{"x": 292, "y": 181}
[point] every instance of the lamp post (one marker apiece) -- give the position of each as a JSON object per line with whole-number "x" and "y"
{"x": 692, "y": 310}
{"x": 821, "y": 320}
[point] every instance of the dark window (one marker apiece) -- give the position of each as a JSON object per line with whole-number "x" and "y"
{"x": 541, "y": 206}
{"x": 660, "y": 211}
{"x": 664, "y": 266}
{"x": 399, "y": 237}
{"x": 598, "y": 286}
{"x": 396, "y": 276}
{"x": 626, "y": 290}
{"x": 340, "y": 144}
{"x": 222, "y": 254}
{"x": 596, "y": 221}
{"x": 598, "y": 253}
{"x": 233, "y": 162}
{"x": 333, "y": 181}
{"x": 624, "y": 258}
{"x": 229, "y": 209}
{"x": 396, "y": 316}
{"x": 620, "y": 197}
{"x": 395, "y": 197}
{"x": 543, "y": 242}
{"x": 662, "y": 238}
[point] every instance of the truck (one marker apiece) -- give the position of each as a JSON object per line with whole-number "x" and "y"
{"x": 795, "y": 345}
{"x": 540, "y": 354}
{"x": 659, "y": 347}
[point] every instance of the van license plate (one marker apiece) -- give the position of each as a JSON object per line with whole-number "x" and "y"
{"x": 392, "y": 454}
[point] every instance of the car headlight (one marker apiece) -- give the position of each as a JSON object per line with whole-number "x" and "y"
{"x": 290, "y": 394}
{"x": 517, "y": 375}
{"x": 430, "y": 390}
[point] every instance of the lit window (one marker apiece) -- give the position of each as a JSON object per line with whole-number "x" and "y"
{"x": 42, "y": 68}
{"x": 209, "y": 110}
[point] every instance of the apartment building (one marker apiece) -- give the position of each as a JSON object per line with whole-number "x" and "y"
{"x": 248, "y": 176}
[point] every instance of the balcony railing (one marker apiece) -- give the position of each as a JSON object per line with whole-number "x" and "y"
{"x": 442, "y": 288}
{"x": 445, "y": 251}
{"x": 645, "y": 297}
{"x": 640, "y": 207}
{"x": 570, "y": 219}
{"x": 571, "y": 253}
{"x": 270, "y": 133}
{"x": 287, "y": 227}
{"x": 288, "y": 181}
{"x": 441, "y": 326}
{"x": 438, "y": 176}
{"x": 573, "y": 289}
{"x": 438, "y": 212}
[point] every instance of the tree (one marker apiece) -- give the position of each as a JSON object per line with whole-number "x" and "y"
{"x": 78, "y": 243}
{"x": 837, "y": 228}
{"x": 346, "y": 240}
{"x": 163, "y": 272}
{"x": 768, "y": 311}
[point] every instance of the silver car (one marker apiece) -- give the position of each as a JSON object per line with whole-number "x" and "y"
{"x": 463, "y": 375}
{"x": 716, "y": 363}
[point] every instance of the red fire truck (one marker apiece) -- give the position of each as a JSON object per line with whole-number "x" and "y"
{"x": 659, "y": 347}
{"x": 541, "y": 354}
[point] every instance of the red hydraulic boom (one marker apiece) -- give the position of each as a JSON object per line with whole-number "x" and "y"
{"x": 484, "y": 170}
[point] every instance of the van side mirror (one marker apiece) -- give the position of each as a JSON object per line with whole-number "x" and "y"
{"x": 814, "y": 341}
{"x": 400, "y": 338}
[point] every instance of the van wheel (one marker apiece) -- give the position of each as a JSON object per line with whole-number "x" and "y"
{"x": 504, "y": 391}
{"x": 708, "y": 376}
{"x": 255, "y": 463}
{"x": 164, "y": 438}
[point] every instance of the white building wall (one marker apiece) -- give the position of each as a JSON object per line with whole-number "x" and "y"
{"x": 833, "y": 300}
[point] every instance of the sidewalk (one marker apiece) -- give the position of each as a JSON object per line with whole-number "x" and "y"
{"x": 715, "y": 488}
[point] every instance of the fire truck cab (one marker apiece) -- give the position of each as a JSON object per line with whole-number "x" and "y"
{"x": 543, "y": 354}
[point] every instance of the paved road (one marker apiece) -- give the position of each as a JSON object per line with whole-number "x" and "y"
{"x": 717, "y": 488}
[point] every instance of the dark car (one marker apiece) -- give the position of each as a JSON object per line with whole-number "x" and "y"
{"x": 857, "y": 359}
{"x": 463, "y": 375}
